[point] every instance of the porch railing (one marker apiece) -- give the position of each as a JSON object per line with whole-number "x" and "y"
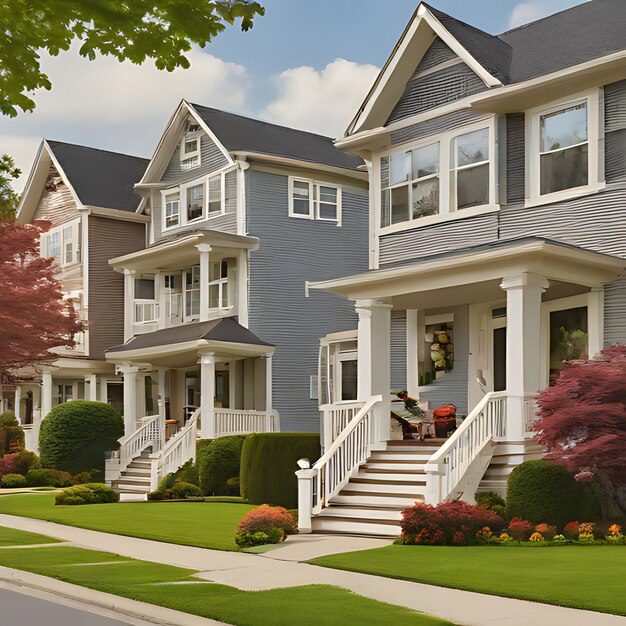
{"x": 176, "y": 452}
{"x": 335, "y": 417}
{"x": 459, "y": 465}
{"x": 322, "y": 482}
{"x": 150, "y": 433}
{"x": 242, "y": 422}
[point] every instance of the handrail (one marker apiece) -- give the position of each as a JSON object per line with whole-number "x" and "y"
{"x": 448, "y": 467}
{"x": 336, "y": 417}
{"x": 244, "y": 421}
{"x": 343, "y": 458}
{"x": 133, "y": 444}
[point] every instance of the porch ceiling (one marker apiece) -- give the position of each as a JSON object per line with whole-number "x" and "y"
{"x": 474, "y": 274}
{"x": 180, "y": 252}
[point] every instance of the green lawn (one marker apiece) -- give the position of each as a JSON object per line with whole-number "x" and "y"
{"x": 12, "y": 537}
{"x": 156, "y": 584}
{"x": 202, "y": 524}
{"x": 584, "y": 577}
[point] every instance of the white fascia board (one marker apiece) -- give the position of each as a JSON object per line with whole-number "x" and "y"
{"x": 208, "y": 131}
{"x": 35, "y": 172}
{"x": 65, "y": 179}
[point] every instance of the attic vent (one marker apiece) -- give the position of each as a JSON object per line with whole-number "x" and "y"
{"x": 193, "y": 128}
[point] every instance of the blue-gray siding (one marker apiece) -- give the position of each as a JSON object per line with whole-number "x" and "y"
{"x": 211, "y": 159}
{"x": 439, "y": 52}
{"x": 292, "y": 251}
{"x": 441, "y": 87}
{"x": 615, "y": 312}
{"x": 398, "y": 350}
{"x": 615, "y": 131}
{"x": 515, "y": 157}
{"x": 451, "y": 388}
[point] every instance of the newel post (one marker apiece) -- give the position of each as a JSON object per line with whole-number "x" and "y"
{"x": 305, "y": 497}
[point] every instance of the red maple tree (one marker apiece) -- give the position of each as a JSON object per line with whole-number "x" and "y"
{"x": 34, "y": 318}
{"x": 582, "y": 423}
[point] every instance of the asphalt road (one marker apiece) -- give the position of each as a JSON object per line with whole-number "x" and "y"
{"x": 21, "y": 609}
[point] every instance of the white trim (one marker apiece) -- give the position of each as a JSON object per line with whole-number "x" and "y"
{"x": 591, "y": 98}
{"x": 196, "y": 154}
{"x": 314, "y": 190}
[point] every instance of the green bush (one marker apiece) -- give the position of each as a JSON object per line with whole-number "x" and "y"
{"x": 11, "y": 434}
{"x": 94, "y": 476}
{"x": 188, "y": 473}
{"x": 269, "y": 463}
{"x": 75, "y": 435}
{"x": 203, "y": 443}
{"x": 233, "y": 486}
{"x": 491, "y": 500}
{"x": 13, "y": 481}
{"x": 218, "y": 462}
{"x": 160, "y": 494}
{"x": 259, "y": 538}
{"x": 186, "y": 490}
{"x": 89, "y": 493}
{"x": 18, "y": 462}
{"x": 542, "y": 491}
{"x": 48, "y": 478}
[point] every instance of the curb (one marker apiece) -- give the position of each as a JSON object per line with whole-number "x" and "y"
{"x": 102, "y": 600}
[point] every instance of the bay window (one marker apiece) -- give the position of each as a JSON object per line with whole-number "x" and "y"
{"x": 172, "y": 210}
{"x": 471, "y": 169}
{"x": 215, "y": 194}
{"x": 218, "y": 285}
{"x": 195, "y": 202}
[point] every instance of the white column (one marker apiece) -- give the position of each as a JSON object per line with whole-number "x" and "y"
{"x": 18, "y": 400}
{"x": 91, "y": 383}
{"x": 268, "y": 382}
{"x": 242, "y": 287}
{"x": 129, "y": 374}
{"x": 46, "y": 392}
{"x": 412, "y": 354}
{"x": 207, "y": 395}
{"x": 595, "y": 321}
{"x": 523, "y": 345}
{"x": 374, "y": 362}
{"x": 129, "y": 303}
{"x": 232, "y": 384}
{"x": 204, "y": 249}
{"x": 104, "y": 392}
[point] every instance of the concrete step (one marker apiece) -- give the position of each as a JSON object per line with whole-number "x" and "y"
{"x": 347, "y": 526}
{"x": 137, "y": 471}
{"x": 399, "y": 456}
{"x": 363, "y": 514}
{"x": 374, "y": 500}
{"x": 390, "y": 477}
{"x": 141, "y": 463}
{"x": 124, "y": 487}
{"x": 364, "y": 486}
{"x": 393, "y": 468}
{"x": 134, "y": 480}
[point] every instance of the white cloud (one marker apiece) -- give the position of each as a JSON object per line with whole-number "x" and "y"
{"x": 321, "y": 101}
{"x": 117, "y": 106}
{"x": 526, "y": 12}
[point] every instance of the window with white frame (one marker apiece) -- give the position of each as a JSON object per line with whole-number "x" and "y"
{"x": 218, "y": 285}
{"x": 311, "y": 199}
{"x": 64, "y": 393}
{"x": 190, "y": 148}
{"x": 172, "y": 209}
{"x": 563, "y": 149}
{"x": 195, "y": 202}
{"x": 61, "y": 244}
{"x": 192, "y": 293}
{"x": 416, "y": 181}
{"x": 215, "y": 194}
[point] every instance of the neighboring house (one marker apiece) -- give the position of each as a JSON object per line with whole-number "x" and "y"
{"x": 498, "y": 244}
{"x": 87, "y": 195}
{"x": 219, "y": 336}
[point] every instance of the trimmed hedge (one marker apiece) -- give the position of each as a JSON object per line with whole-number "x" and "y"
{"x": 13, "y": 481}
{"x": 75, "y": 435}
{"x": 269, "y": 465}
{"x": 542, "y": 491}
{"x": 48, "y": 478}
{"x": 89, "y": 493}
{"x": 218, "y": 462}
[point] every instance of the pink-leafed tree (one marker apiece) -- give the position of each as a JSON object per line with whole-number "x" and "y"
{"x": 34, "y": 318}
{"x": 582, "y": 423}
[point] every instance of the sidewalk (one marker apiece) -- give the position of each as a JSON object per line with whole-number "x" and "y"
{"x": 281, "y": 568}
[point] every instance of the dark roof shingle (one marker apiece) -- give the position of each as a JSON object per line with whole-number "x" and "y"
{"x": 99, "y": 177}
{"x": 244, "y": 134}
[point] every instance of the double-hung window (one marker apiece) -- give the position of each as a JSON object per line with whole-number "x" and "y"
{"x": 62, "y": 244}
{"x": 190, "y": 150}
{"x": 218, "y": 285}
{"x": 471, "y": 169}
{"x": 172, "y": 210}
{"x": 195, "y": 202}
{"x": 54, "y": 248}
{"x": 310, "y": 199}
{"x": 192, "y": 293}
{"x": 215, "y": 194}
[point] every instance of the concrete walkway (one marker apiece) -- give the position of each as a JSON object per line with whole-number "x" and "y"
{"x": 281, "y": 568}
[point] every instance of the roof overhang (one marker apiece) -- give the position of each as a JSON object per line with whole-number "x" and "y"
{"x": 181, "y": 251}
{"x": 483, "y": 264}
{"x": 421, "y": 31}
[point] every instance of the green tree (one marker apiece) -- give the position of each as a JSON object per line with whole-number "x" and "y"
{"x": 160, "y": 30}
{"x": 9, "y": 199}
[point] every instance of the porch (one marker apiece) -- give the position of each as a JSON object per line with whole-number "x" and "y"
{"x": 483, "y": 328}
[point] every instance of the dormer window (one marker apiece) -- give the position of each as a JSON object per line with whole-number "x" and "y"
{"x": 563, "y": 148}
{"x": 190, "y": 148}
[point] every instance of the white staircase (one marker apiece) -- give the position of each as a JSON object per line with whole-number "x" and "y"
{"x": 372, "y": 501}
{"x": 135, "y": 479}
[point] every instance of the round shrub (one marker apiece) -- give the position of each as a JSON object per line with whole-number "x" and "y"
{"x": 11, "y": 434}
{"x": 90, "y": 493}
{"x": 18, "y": 462}
{"x": 188, "y": 473}
{"x": 160, "y": 494}
{"x": 185, "y": 490}
{"x": 13, "y": 481}
{"x": 542, "y": 491}
{"x": 263, "y": 525}
{"x": 448, "y": 523}
{"x": 48, "y": 478}
{"x": 269, "y": 464}
{"x": 75, "y": 435}
{"x": 492, "y": 501}
{"x": 233, "y": 486}
{"x": 218, "y": 462}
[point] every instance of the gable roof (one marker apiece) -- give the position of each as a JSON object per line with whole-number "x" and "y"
{"x": 99, "y": 177}
{"x": 245, "y": 134}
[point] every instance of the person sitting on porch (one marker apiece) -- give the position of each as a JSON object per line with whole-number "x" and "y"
{"x": 412, "y": 418}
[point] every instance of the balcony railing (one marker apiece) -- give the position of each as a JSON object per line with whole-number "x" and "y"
{"x": 146, "y": 311}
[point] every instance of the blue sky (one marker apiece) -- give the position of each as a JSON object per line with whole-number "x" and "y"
{"x": 306, "y": 63}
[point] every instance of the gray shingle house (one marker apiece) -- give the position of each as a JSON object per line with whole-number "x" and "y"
{"x": 498, "y": 230}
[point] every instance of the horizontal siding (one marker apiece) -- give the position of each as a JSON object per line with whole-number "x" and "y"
{"x": 437, "y": 125}
{"x": 398, "y": 350}
{"x": 515, "y": 157}
{"x": 419, "y": 242}
{"x": 615, "y": 131}
{"x": 108, "y": 239}
{"x": 211, "y": 159}
{"x": 615, "y": 156}
{"x": 615, "y": 106}
{"x": 291, "y": 252}
{"x": 615, "y": 312}
{"x": 230, "y": 192}
{"x": 56, "y": 204}
{"x": 427, "y": 92}
{"x": 439, "y": 52}
{"x": 596, "y": 221}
